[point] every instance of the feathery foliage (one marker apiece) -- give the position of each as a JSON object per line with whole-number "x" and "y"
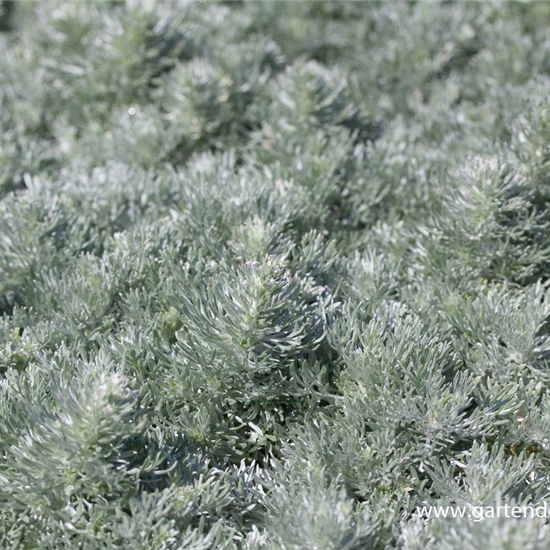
{"x": 273, "y": 274}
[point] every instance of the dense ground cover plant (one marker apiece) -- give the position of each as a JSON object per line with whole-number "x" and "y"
{"x": 272, "y": 275}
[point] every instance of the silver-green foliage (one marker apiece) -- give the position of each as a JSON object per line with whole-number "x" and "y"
{"x": 273, "y": 274}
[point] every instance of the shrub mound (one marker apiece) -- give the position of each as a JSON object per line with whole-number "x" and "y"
{"x": 273, "y": 275}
